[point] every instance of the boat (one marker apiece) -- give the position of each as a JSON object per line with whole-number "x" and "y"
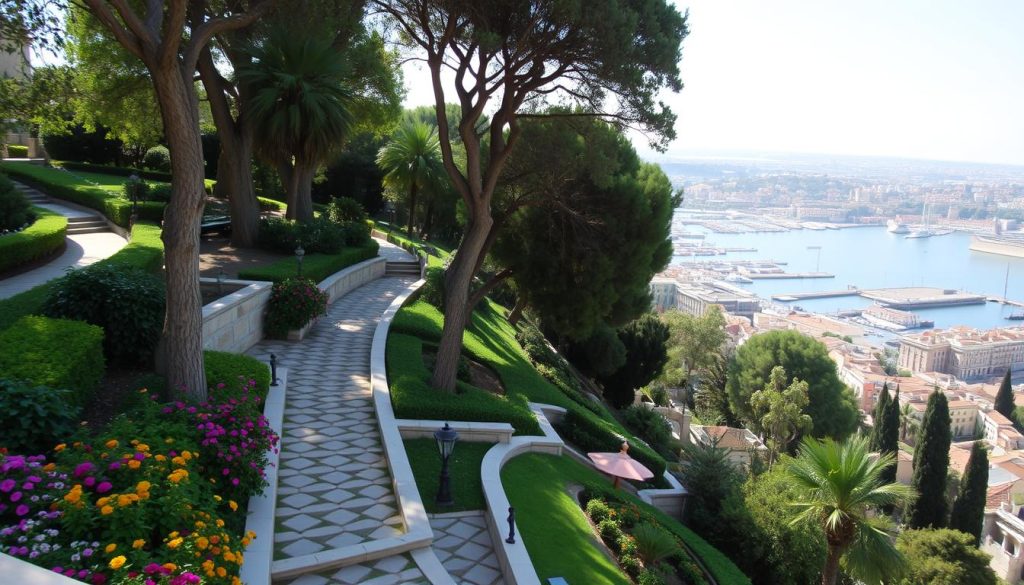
{"x": 738, "y": 278}
{"x": 1005, "y": 246}
{"x": 895, "y": 226}
{"x": 924, "y": 233}
{"x": 1016, "y": 316}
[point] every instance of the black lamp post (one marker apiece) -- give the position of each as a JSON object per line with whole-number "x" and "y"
{"x": 390, "y": 208}
{"x": 299, "y": 253}
{"x": 445, "y": 438}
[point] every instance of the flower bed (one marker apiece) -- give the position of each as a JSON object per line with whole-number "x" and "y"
{"x": 155, "y": 499}
{"x": 293, "y": 304}
{"x": 648, "y": 553}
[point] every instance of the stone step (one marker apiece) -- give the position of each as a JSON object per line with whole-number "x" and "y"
{"x": 87, "y": 230}
{"x": 87, "y": 219}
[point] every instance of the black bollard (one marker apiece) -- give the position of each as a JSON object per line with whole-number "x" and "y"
{"x": 511, "y": 526}
{"x": 273, "y": 370}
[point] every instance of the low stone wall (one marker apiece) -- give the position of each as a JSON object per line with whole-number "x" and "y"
{"x": 470, "y": 432}
{"x": 342, "y": 282}
{"x": 234, "y": 323}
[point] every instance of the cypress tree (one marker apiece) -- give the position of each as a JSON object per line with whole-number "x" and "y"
{"x": 969, "y": 508}
{"x": 931, "y": 464}
{"x": 878, "y": 417}
{"x": 889, "y": 435}
{"x": 1004, "y": 398}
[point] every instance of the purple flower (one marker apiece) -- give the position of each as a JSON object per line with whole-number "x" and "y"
{"x": 15, "y": 496}
{"x": 7, "y": 485}
{"x": 104, "y": 487}
{"x": 23, "y": 509}
{"x": 139, "y": 456}
{"x": 115, "y": 465}
{"x": 83, "y": 468}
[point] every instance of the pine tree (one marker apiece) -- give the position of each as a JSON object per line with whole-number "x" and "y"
{"x": 1004, "y": 398}
{"x": 878, "y": 415}
{"x": 931, "y": 464}
{"x": 969, "y": 508}
{"x": 889, "y": 435}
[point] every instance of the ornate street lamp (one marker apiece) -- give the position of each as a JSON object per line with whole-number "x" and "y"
{"x": 299, "y": 253}
{"x": 445, "y": 439}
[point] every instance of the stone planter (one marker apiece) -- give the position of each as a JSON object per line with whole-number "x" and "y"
{"x": 300, "y": 334}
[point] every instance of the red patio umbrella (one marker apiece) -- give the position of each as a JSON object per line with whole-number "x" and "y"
{"x": 620, "y": 465}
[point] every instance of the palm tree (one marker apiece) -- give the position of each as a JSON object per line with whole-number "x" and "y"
{"x": 300, "y": 108}
{"x": 838, "y": 484}
{"x": 412, "y": 162}
{"x": 907, "y": 422}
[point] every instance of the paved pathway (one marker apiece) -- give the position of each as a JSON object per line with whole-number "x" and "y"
{"x": 463, "y": 545}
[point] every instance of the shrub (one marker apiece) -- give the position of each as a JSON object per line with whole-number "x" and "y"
{"x": 314, "y": 266}
{"x": 160, "y": 192}
{"x": 610, "y": 533}
{"x": 15, "y": 211}
{"x": 39, "y": 240}
{"x": 598, "y": 510}
{"x": 119, "y": 171}
{"x": 157, "y": 158}
{"x": 631, "y": 565}
{"x": 127, "y": 303}
{"x": 17, "y": 151}
{"x": 432, "y": 291}
{"x": 345, "y": 209}
{"x": 293, "y": 303}
{"x": 649, "y": 577}
{"x": 321, "y": 236}
{"x": 587, "y": 434}
{"x": 54, "y": 352}
{"x": 648, "y": 425}
{"x": 135, "y": 188}
{"x": 230, "y": 369}
{"x": 653, "y": 543}
{"x": 34, "y": 417}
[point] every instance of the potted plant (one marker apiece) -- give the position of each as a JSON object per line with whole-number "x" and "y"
{"x": 294, "y": 305}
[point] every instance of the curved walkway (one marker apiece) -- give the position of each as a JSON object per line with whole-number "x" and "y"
{"x": 80, "y": 250}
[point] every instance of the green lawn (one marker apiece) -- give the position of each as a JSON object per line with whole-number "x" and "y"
{"x": 463, "y": 469}
{"x": 314, "y": 266}
{"x": 557, "y": 534}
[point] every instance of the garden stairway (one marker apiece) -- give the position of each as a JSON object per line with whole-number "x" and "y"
{"x": 79, "y": 221}
{"x": 403, "y": 268}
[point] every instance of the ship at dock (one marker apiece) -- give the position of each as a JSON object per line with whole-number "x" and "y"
{"x": 1002, "y": 245}
{"x": 895, "y": 226}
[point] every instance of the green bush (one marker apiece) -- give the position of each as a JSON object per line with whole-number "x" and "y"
{"x": 345, "y": 209}
{"x": 320, "y": 236}
{"x": 610, "y": 533}
{"x": 648, "y": 425}
{"x": 119, "y": 171}
{"x": 34, "y": 418}
{"x": 15, "y": 211}
{"x": 293, "y": 303}
{"x": 649, "y": 576}
{"x": 54, "y": 352}
{"x": 412, "y": 396}
{"x": 432, "y": 291}
{"x": 631, "y": 565}
{"x": 598, "y": 510}
{"x": 157, "y": 158}
{"x": 41, "y": 239}
{"x": 314, "y": 266}
{"x": 135, "y": 188}
{"x": 587, "y": 434}
{"x": 17, "y": 151}
{"x": 160, "y": 192}
{"x": 225, "y": 370}
{"x": 128, "y": 303}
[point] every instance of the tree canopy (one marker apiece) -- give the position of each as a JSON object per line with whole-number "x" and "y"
{"x": 968, "y": 513}
{"x": 779, "y": 411}
{"x": 696, "y": 345}
{"x": 1004, "y": 404}
{"x": 931, "y": 465}
{"x": 944, "y": 557}
{"x": 833, "y": 408}
{"x": 644, "y": 339}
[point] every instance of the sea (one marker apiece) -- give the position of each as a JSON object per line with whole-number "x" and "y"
{"x": 871, "y": 257}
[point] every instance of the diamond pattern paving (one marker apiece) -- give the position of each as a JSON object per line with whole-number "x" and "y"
{"x": 464, "y": 546}
{"x": 334, "y": 488}
{"x": 393, "y": 570}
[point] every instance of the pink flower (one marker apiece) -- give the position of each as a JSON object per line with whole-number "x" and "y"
{"x": 104, "y": 487}
{"x": 82, "y": 468}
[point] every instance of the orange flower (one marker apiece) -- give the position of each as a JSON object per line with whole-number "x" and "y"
{"x": 222, "y": 572}
{"x": 59, "y": 448}
{"x": 134, "y": 464}
{"x": 112, "y": 443}
{"x": 170, "y": 566}
{"x": 110, "y": 548}
{"x": 202, "y": 542}
{"x": 106, "y": 510}
{"x": 233, "y": 505}
{"x": 161, "y": 458}
{"x": 139, "y": 543}
{"x": 123, "y": 501}
{"x": 50, "y": 467}
{"x": 175, "y": 543}
{"x": 102, "y": 501}
{"x": 117, "y": 562}
{"x": 178, "y": 461}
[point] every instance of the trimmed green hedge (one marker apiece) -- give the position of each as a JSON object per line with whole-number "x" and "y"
{"x": 314, "y": 266}
{"x": 42, "y": 238}
{"x": 226, "y": 368}
{"x": 67, "y": 186}
{"x": 57, "y": 353}
{"x": 412, "y": 396}
{"x": 145, "y": 250}
{"x": 17, "y": 151}
{"x": 112, "y": 170}
{"x": 584, "y": 430}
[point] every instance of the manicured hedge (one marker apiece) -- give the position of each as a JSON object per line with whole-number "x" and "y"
{"x": 145, "y": 250}
{"x": 54, "y": 352}
{"x": 51, "y": 182}
{"x": 17, "y": 151}
{"x": 39, "y": 240}
{"x": 314, "y": 266}
{"x": 119, "y": 171}
{"x": 226, "y": 368}
{"x": 413, "y": 397}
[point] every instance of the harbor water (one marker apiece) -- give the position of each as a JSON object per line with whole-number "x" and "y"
{"x": 871, "y": 257}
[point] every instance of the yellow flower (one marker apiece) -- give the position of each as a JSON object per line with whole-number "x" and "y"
{"x": 220, "y": 523}
{"x": 169, "y": 441}
{"x": 202, "y": 542}
{"x": 143, "y": 486}
{"x": 106, "y": 510}
{"x": 102, "y": 501}
{"x": 161, "y": 458}
{"x": 229, "y": 556}
{"x": 217, "y": 498}
{"x": 233, "y": 505}
{"x": 143, "y": 390}
{"x": 139, "y": 543}
{"x": 59, "y": 448}
{"x": 117, "y": 562}
{"x": 221, "y": 571}
{"x": 173, "y": 534}
{"x": 134, "y": 464}
{"x": 110, "y": 548}
{"x": 174, "y": 543}
{"x": 112, "y": 443}
{"x": 236, "y": 581}
{"x": 123, "y": 501}
{"x": 178, "y": 461}
{"x": 142, "y": 447}
{"x": 170, "y": 566}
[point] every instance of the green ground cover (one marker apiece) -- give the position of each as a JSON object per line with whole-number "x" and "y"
{"x": 314, "y": 266}
{"x": 145, "y": 251}
{"x": 44, "y": 237}
{"x": 558, "y": 535}
{"x": 463, "y": 468}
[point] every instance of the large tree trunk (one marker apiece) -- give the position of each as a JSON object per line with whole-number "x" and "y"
{"x": 302, "y": 183}
{"x": 831, "y": 571}
{"x": 517, "y": 311}
{"x": 428, "y": 218}
{"x": 182, "y": 341}
{"x": 234, "y": 178}
{"x": 287, "y": 174}
{"x": 456, "y": 286}
{"x": 412, "y": 208}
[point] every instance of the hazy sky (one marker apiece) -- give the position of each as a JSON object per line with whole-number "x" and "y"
{"x": 913, "y": 78}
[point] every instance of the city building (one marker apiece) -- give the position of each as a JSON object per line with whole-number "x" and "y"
{"x": 697, "y": 298}
{"x": 1003, "y": 537}
{"x": 964, "y": 352}
{"x": 740, "y": 443}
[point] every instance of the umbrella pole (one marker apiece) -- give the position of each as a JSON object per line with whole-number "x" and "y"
{"x": 616, "y": 484}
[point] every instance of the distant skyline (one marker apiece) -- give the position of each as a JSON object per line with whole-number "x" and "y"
{"x": 939, "y": 80}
